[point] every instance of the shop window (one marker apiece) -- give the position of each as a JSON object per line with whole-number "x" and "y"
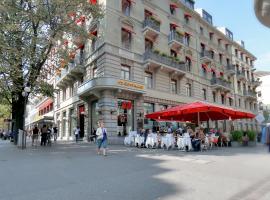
{"x": 125, "y": 115}
{"x": 173, "y": 86}
{"x": 204, "y": 94}
{"x": 126, "y": 39}
{"x": 148, "y": 80}
{"x": 126, "y": 7}
{"x": 188, "y": 89}
{"x": 125, "y": 72}
{"x": 148, "y": 108}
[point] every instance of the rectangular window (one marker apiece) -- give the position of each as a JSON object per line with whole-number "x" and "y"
{"x": 94, "y": 72}
{"x": 71, "y": 90}
{"x": 64, "y": 94}
{"x": 239, "y": 103}
{"x": 172, "y": 10}
{"x": 201, "y": 30}
{"x": 214, "y": 97}
{"x": 231, "y": 101}
{"x": 220, "y": 58}
{"x": 148, "y": 45}
{"x": 174, "y": 86}
{"x": 126, "y": 39}
{"x": 204, "y": 94}
{"x": 187, "y": 39}
{"x": 211, "y": 36}
{"x": 125, "y": 72}
{"x": 126, "y": 6}
{"x": 188, "y": 89}
{"x": 223, "y": 99}
{"x": 148, "y": 80}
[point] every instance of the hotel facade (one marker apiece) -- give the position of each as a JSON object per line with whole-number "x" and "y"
{"x": 148, "y": 55}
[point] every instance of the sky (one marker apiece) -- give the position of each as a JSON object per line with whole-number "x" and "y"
{"x": 239, "y": 17}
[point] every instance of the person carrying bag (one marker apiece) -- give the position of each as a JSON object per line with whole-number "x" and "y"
{"x": 101, "y": 138}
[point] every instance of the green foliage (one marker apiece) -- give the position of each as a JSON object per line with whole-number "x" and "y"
{"x": 251, "y": 135}
{"x": 156, "y": 51}
{"x": 237, "y": 136}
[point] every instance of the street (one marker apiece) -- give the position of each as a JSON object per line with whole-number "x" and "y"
{"x": 74, "y": 171}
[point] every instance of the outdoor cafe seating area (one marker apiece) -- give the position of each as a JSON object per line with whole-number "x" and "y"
{"x": 186, "y": 138}
{"x": 177, "y": 140}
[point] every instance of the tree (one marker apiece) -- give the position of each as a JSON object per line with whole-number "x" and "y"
{"x": 34, "y": 38}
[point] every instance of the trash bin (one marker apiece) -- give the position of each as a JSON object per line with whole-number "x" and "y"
{"x": 21, "y": 143}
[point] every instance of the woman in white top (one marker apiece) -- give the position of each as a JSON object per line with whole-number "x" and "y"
{"x": 101, "y": 138}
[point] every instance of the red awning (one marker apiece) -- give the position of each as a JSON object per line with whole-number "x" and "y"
{"x": 174, "y": 25}
{"x": 45, "y": 104}
{"x": 94, "y": 33}
{"x": 173, "y": 5}
{"x": 199, "y": 111}
{"x": 128, "y": 29}
{"x": 94, "y": 2}
{"x": 132, "y": 1}
{"x": 187, "y": 15}
{"x": 221, "y": 73}
{"x": 213, "y": 70}
{"x": 189, "y": 34}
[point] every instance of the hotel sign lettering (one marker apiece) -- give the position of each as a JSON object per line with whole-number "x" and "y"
{"x": 130, "y": 84}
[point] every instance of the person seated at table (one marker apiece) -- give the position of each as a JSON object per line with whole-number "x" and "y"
{"x": 169, "y": 130}
{"x": 245, "y": 139}
{"x": 201, "y": 135}
{"x": 196, "y": 142}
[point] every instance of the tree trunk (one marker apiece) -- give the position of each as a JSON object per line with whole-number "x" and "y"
{"x": 18, "y": 110}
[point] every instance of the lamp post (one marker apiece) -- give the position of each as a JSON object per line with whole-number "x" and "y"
{"x": 25, "y": 94}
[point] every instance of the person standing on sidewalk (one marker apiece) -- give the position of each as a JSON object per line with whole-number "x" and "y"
{"x": 55, "y": 133}
{"x": 44, "y": 132}
{"x": 101, "y": 138}
{"x": 77, "y": 133}
{"x": 35, "y": 136}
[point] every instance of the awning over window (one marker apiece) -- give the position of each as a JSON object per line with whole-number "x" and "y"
{"x": 128, "y": 29}
{"x": 173, "y": 5}
{"x": 187, "y": 15}
{"x": 174, "y": 25}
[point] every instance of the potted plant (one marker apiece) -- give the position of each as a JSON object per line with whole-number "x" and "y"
{"x": 156, "y": 51}
{"x": 164, "y": 55}
{"x": 236, "y": 138}
{"x": 252, "y": 138}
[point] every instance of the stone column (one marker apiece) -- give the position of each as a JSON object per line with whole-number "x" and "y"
{"x": 138, "y": 111}
{"x": 107, "y": 106}
{"x": 67, "y": 124}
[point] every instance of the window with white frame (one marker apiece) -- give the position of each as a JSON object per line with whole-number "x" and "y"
{"x": 148, "y": 80}
{"x": 173, "y": 86}
{"x": 125, "y": 72}
{"x": 188, "y": 89}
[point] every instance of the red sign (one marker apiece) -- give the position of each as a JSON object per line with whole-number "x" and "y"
{"x": 126, "y": 105}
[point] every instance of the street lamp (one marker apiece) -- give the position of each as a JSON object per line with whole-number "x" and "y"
{"x": 25, "y": 94}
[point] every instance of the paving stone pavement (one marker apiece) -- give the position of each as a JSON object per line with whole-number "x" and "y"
{"x": 71, "y": 171}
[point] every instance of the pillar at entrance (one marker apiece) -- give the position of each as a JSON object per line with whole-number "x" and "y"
{"x": 108, "y": 111}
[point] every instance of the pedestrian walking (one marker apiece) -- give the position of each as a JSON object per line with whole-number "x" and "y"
{"x": 55, "y": 133}
{"x": 77, "y": 133}
{"x": 44, "y": 132}
{"x": 35, "y": 136}
{"x": 101, "y": 138}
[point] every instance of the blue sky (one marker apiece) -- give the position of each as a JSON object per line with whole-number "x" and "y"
{"x": 239, "y": 17}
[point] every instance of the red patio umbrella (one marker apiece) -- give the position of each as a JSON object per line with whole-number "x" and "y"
{"x": 197, "y": 112}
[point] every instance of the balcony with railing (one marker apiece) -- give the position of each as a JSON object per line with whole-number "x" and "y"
{"x": 240, "y": 75}
{"x": 176, "y": 40}
{"x": 221, "y": 84}
{"x": 230, "y": 69}
{"x": 154, "y": 59}
{"x": 207, "y": 56}
{"x": 74, "y": 69}
{"x": 151, "y": 27}
{"x": 249, "y": 94}
{"x": 256, "y": 83}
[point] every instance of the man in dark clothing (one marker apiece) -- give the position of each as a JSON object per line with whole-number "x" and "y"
{"x": 44, "y": 132}
{"x": 35, "y": 136}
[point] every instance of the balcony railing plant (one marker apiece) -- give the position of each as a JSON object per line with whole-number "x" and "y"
{"x": 176, "y": 36}
{"x": 222, "y": 82}
{"x": 152, "y": 23}
{"x": 208, "y": 54}
{"x": 165, "y": 59}
{"x": 250, "y": 93}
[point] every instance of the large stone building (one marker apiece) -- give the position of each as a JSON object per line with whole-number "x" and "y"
{"x": 148, "y": 55}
